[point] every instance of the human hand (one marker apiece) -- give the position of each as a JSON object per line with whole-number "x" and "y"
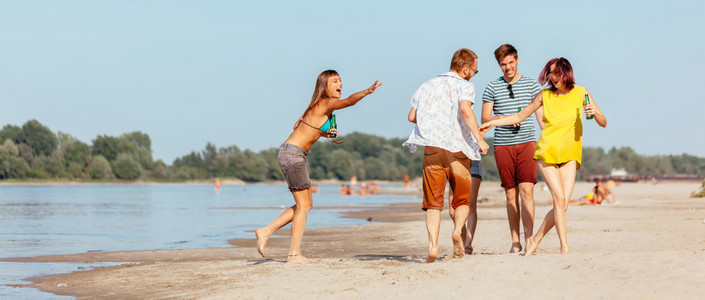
{"x": 372, "y": 88}
{"x": 589, "y": 109}
{"x": 516, "y": 124}
{"x": 485, "y": 127}
{"x": 332, "y": 133}
{"x": 484, "y": 147}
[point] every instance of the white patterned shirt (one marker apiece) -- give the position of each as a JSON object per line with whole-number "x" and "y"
{"x": 439, "y": 122}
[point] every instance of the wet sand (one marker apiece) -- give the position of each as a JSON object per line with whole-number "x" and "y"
{"x": 651, "y": 245}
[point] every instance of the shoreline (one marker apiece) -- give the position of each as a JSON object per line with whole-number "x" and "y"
{"x": 613, "y": 244}
{"x": 223, "y": 182}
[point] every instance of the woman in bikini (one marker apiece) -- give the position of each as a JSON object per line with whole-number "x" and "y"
{"x": 313, "y": 124}
{"x": 559, "y": 149}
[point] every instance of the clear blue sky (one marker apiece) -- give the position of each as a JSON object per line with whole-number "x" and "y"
{"x": 232, "y": 73}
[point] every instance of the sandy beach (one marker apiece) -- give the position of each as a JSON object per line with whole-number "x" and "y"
{"x": 651, "y": 245}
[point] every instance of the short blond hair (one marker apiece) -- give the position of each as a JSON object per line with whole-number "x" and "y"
{"x": 462, "y": 58}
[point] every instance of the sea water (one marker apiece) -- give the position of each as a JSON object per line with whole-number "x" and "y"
{"x": 47, "y": 220}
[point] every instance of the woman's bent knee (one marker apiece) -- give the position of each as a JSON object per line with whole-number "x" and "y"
{"x": 307, "y": 207}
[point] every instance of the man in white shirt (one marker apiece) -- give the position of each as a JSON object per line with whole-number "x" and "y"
{"x": 446, "y": 125}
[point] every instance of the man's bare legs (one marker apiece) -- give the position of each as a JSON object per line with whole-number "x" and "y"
{"x": 560, "y": 181}
{"x": 433, "y": 225}
{"x": 513, "y": 217}
{"x": 461, "y": 215}
{"x": 468, "y": 231}
{"x": 526, "y": 190}
{"x": 297, "y": 215}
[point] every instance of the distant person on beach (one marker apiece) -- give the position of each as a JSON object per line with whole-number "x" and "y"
{"x": 559, "y": 149}
{"x": 514, "y": 144}
{"x": 600, "y": 193}
{"x": 364, "y": 189}
{"x": 588, "y": 199}
{"x": 374, "y": 188}
{"x": 446, "y": 125}
{"x": 342, "y": 189}
{"x": 313, "y": 124}
{"x": 603, "y": 192}
{"x": 468, "y": 231}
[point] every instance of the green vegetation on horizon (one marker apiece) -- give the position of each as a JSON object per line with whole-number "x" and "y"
{"x": 33, "y": 151}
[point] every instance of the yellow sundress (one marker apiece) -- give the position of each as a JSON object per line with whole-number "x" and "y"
{"x": 562, "y": 137}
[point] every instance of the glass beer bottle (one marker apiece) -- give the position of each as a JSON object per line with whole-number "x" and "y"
{"x": 587, "y": 101}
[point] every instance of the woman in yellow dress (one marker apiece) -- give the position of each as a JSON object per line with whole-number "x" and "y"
{"x": 559, "y": 149}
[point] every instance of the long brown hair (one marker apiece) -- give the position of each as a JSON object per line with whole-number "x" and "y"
{"x": 320, "y": 89}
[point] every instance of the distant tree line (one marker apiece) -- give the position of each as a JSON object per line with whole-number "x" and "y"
{"x": 366, "y": 156}
{"x": 33, "y": 151}
{"x": 597, "y": 161}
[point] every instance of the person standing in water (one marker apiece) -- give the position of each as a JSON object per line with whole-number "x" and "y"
{"x": 313, "y": 124}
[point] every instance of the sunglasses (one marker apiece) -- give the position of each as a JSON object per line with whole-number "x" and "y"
{"x": 511, "y": 93}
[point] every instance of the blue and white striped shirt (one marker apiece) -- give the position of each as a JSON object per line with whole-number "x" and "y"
{"x": 524, "y": 90}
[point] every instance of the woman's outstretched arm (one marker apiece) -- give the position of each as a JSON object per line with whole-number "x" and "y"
{"x": 356, "y": 97}
{"x": 534, "y": 105}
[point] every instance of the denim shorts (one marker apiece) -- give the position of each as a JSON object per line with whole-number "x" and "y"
{"x": 476, "y": 169}
{"x": 292, "y": 160}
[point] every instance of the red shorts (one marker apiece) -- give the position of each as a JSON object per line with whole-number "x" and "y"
{"x": 516, "y": 163}
{"x": 441, "y": 166}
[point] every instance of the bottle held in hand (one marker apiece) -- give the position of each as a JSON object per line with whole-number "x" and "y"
{"x": 517, "y": 126}
{"x": 334, "y": 127}
{"x": 587, "y": 101}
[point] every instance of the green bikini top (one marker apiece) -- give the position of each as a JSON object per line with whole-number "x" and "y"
{"x": 326, "y": 125}
{"x": 330, "y": 123}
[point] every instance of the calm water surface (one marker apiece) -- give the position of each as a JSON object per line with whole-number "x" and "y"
{"x": 44, "y": 220}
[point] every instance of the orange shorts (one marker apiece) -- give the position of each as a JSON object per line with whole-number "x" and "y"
{"x": 439, "y": 167}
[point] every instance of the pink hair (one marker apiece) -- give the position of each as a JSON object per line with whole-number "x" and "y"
{"x": 563, "y": 67}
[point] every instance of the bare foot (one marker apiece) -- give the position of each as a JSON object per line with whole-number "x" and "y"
{"x": 458, "y": 250}
{"x": 261, "y": 241}
{"x": 564, "y": 250}
{"x": 299, "y": 259}
{"x": 432, "y": 254}
{"x": 468, "y": 250}
{"x": 516, "y": 248}
{"x": 527, "y": 242}
{"x": 531, "y": 246}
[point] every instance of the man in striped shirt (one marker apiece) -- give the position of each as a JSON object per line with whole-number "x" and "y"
{"x": 514, "y": 145}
